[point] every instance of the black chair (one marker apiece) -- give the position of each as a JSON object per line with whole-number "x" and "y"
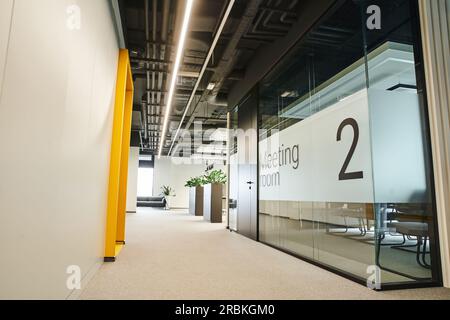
{"x": 410, "y": 221}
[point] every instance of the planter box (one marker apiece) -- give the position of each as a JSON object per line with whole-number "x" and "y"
{"x": 196, "y": 201}
{"x": 212, "y": 207}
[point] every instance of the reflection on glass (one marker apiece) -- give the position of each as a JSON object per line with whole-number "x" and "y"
{"x": 358, "y": 198}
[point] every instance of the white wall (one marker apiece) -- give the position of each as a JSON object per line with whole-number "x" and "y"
{"x": 56, "y": 112}
{"x": 133, "y": 167}
{"x": 435, "y": 22}
{"x": 173, "y": 173}
{"x": 6, "y": 7}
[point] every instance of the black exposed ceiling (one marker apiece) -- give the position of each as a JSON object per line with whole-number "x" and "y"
{"x": 151, "y": 39}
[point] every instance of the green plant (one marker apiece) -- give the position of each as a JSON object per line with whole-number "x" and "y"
{"x": 216, "y": 176}
{"x": 168, "y": 191}
{"x": 195, "y": 182}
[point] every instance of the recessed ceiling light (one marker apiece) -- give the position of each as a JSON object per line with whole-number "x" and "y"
{"x": 289, "y": 94}
{"x": 211, "y": 86}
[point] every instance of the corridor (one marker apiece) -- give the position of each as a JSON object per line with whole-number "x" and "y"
{"x": 319, "y": 128}
{"x": 171, "y": 255}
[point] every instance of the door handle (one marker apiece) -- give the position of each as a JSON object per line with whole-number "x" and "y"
{"x": 250, "y": 182}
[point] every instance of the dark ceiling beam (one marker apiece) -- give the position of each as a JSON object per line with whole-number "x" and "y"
{"x": 143, "y": 70}
{"x": 157, "y": 91}
{"x": 198, "y": 42}
{"x": 178, "y": 118}
{"x": 177, "y": 91}
{"x": 140, "y": 75}
{"x": 277, "y": 10}
{"x": 154, "y": 61}
{"x": 227, "y": 62}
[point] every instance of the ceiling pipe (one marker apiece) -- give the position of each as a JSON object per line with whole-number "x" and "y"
{"x": 168, "y": 60}
{"x": 219, "y": 100}
{"x": 164, "y": 55}
{"x": 165, "y": 23}
{"x": 149, "y": 60}
{"x": 204, "y": 67}
{"x": 163, "y": 47}
{"x": 284, "y": 27}
{"x": 268, "y": 34}
{"x": 145, "y": 122}
{"x": 147, "y": 38}
{"x": 285, "y": 16}
{"x": 154, "y": 47}
{"x": 226, "y": 64}
{"x": 198, "y": 42}
{"x": 236, "y": 75}
{"x": 187, "y": 14}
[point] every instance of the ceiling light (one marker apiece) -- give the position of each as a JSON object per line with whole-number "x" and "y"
{"x": 205, "y": 65}
{"x": 211, "y": 86}
{"x": 181, "y": 42}
{"x": 289, "y": 94}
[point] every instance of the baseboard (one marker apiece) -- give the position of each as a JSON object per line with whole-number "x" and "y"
{"x": 76, "y": 294}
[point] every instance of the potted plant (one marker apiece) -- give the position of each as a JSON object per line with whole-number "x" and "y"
{"x": 216, "y": 176}
{"x": 212, "y": 196}
{"x": 196, "y": 195}
{"x": 167, "y": 192}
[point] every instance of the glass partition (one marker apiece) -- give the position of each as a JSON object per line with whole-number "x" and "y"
{"x": 233, "y": 169}
{"x": 344, "y": 158}
{"x": 403, "y": 197}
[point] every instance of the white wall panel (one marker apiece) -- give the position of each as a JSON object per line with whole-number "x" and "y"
{"x": 6, "y": 7}
{"x": 435, "y": 21}
{"x": 133, "y": 168}
{"x": 55, "y": 128}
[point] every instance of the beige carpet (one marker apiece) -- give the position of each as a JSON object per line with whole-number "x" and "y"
{"x": 177, "y": 256}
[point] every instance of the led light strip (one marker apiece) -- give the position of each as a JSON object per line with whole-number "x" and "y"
{"x": 205, "y": 65}
{"x": 182, "y": 41}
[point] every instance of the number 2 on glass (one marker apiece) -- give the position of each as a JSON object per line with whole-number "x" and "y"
{"x": 343, "y": 174}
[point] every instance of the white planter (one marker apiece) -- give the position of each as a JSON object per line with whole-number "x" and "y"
{"x": 168, "y": 202}
{"x": 196, "y": 201}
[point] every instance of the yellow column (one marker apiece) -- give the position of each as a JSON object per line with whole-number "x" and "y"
{"x": 126, "y": 137}
{"x": 121, "y": 131}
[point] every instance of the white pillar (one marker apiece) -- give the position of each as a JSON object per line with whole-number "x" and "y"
{"x": 435, "y": 22}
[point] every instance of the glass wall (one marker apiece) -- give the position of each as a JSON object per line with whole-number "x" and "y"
{"x": 233, "y": 169}
{"x": 344, "y": 159}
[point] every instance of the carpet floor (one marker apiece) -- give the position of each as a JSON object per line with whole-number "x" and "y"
{"x": 171, "y": 255}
